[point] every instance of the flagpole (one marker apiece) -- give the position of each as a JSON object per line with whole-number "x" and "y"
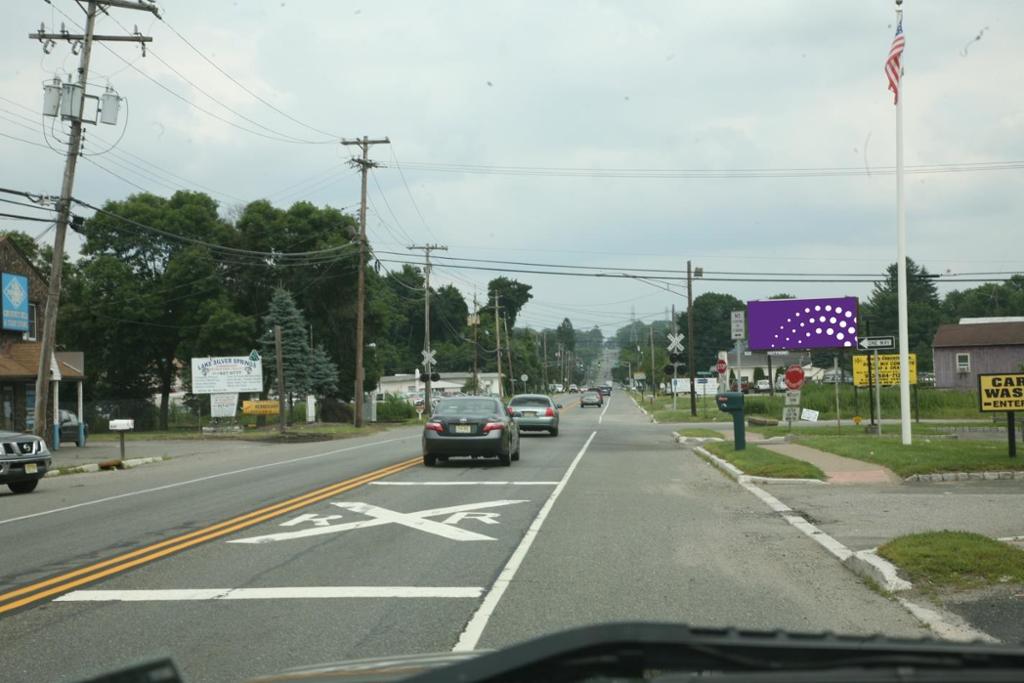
{"x": 901, "y": 260}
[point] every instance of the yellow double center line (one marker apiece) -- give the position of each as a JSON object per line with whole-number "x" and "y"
{"x": 62, "y": 583}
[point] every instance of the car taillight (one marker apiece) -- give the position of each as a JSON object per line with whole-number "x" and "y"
{"x": 493, "y": 427}
{"x": 434, "y": 426}
{"x": 550, "y": 412}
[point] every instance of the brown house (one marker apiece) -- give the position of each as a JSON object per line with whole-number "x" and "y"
{"x": 23, "y": 295}
{"x": 974, "y": 346}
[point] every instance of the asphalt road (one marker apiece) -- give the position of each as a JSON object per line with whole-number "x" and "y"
{"x": 324, "y": 552}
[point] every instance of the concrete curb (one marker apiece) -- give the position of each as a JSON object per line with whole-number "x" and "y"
{"x": 95, "y": 467}
{"x": 733, "y": 471}
{"x": 963, "y": 476}
{"x": 864, "y": 563}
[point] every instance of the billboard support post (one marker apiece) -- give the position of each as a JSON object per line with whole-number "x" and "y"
{"x": 1011, "y": 433}
{"x": 837, "y": 377}
{"x": 878, "y": 393}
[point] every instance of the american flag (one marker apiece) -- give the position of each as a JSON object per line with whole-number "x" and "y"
{"x": 893, "y": 66}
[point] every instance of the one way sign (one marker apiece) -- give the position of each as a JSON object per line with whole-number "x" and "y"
{"x": 675, "y": 342}
{"x": 877, "y": 343}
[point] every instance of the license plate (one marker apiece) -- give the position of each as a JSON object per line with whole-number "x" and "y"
{"x": 463, "y": 429}
{"x": 31, "y": 468}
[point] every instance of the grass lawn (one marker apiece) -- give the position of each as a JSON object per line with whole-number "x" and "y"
{"x": 684, "y": 416}
{"x": 702, "y": 433}
{"x": 955, "y": 559}
{"x": 324, "y": 431}
{"x": 924, "y": 456}
{"x": 761, "y": 462}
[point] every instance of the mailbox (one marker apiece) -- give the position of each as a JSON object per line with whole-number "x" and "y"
{"x": 122, "y": 426}
{"x": 732, "y": 402}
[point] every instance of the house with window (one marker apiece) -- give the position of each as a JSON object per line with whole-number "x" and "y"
{"x": 23, "y": 296}
{"x": 975, "y": 346}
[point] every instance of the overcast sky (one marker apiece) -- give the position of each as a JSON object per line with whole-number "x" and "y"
{"x": 596, "y": 85}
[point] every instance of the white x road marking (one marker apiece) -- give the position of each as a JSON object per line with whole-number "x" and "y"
{"x": 381, "y": 516}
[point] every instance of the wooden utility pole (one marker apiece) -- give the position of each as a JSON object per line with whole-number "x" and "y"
{"x": 474, "y": 320}
{"x": 428, "y": 363}
{"x": 497, "y": 338}
{"x": 77, "y": 92}
{"x": 654, "y": 380}
{"x": 279, "y": 354}
{"x": 508, "y": 355}
{"x": 364, "y": 164}
{"x": 690, "y": 340}
{"x": 544, "y": 365}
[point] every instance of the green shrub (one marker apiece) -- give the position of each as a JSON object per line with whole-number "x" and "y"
{"x": 394, "y": 409}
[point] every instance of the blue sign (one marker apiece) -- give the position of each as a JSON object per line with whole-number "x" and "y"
{"x": 15, "y": 302}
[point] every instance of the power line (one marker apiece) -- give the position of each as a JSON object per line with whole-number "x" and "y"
{"x": 710, "y": 174}
{"x": 242, "y": 86}
{"x": 14, "y": 216}
{"x": 27, "y": 142}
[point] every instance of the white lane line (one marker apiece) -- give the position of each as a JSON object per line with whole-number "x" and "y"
{"x": 201, "y": 479}
{"x": 464, "y": 483}
{"x": 274, "y": 593}
{"x": 601, "y": 418}
{"x": 478, "y": 622}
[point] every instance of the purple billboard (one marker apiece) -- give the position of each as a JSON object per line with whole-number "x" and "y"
{"x": 802, "y": 323}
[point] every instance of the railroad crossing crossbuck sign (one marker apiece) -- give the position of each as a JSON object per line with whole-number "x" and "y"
{"x": 675, "y": 343}
{"x": 428, "y": 357}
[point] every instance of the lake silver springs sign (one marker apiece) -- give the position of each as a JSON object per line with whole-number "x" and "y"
{"x": 227, "y": 374}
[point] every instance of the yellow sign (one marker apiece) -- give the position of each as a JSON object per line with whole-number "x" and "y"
{"x": 261, "y": 407}
{"x": 1002, "y": 392}
{"x": 888, "y": 369}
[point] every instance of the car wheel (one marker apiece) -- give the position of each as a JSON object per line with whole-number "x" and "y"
{"x": 429, "y": 460}
{"x": 553, "y": 432}
{"x": 505, "y": 459}
{"x": 23, "y": 486}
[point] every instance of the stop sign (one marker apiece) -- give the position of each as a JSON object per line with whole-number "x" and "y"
{"x": 720, "y": 366}
{"x": 794, "y": 377}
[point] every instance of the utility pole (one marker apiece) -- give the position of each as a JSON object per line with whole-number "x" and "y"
{"x": 497, "y": 338}
{"x": 279, "y": 356}
{"x": 544, "y": 365}
{"x": 364, "y": 164}
{"x": 474, "y": 320}
{"x": 654, "y": 380}
{"x": 428, "y": 363}
{"x": 508, "y": 355}
{"x": 73, "y": 105}
{"x": 690, "y": 340}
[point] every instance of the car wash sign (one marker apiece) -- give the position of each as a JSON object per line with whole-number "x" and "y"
{"x": 15, "y": 302}
{"x": 1001, "y": 392}
{"x": 227, "y": 374}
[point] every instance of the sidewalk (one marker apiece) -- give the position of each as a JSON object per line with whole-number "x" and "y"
{"x": 838, "y": 469}
{"x": 94, "y": 452}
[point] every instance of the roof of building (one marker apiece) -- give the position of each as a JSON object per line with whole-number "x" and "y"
{"x": 979, "y": 334}
{"x": 20, "y": 360}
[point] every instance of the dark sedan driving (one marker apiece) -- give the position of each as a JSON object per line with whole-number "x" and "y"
{"x": 473, "y": 426}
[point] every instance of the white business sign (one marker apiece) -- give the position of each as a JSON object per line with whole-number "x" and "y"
{"x": 223, "y": 405}
{"x": 227, "y": 374}
{"x": 809, "y": 415}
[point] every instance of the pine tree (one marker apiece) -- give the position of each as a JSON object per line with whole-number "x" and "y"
{"x": 294, "y": 344}
{"x": 323, "y": 373}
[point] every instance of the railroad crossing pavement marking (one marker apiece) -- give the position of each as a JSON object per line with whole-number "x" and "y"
{"x": 271, "y": 593}
{"x": 464, "y": 483}
{"x": 322, "y": 524}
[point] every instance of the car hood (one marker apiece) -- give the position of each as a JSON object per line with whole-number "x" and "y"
{"x": 7, "y": 436}
{"x": 375, "y": 670}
